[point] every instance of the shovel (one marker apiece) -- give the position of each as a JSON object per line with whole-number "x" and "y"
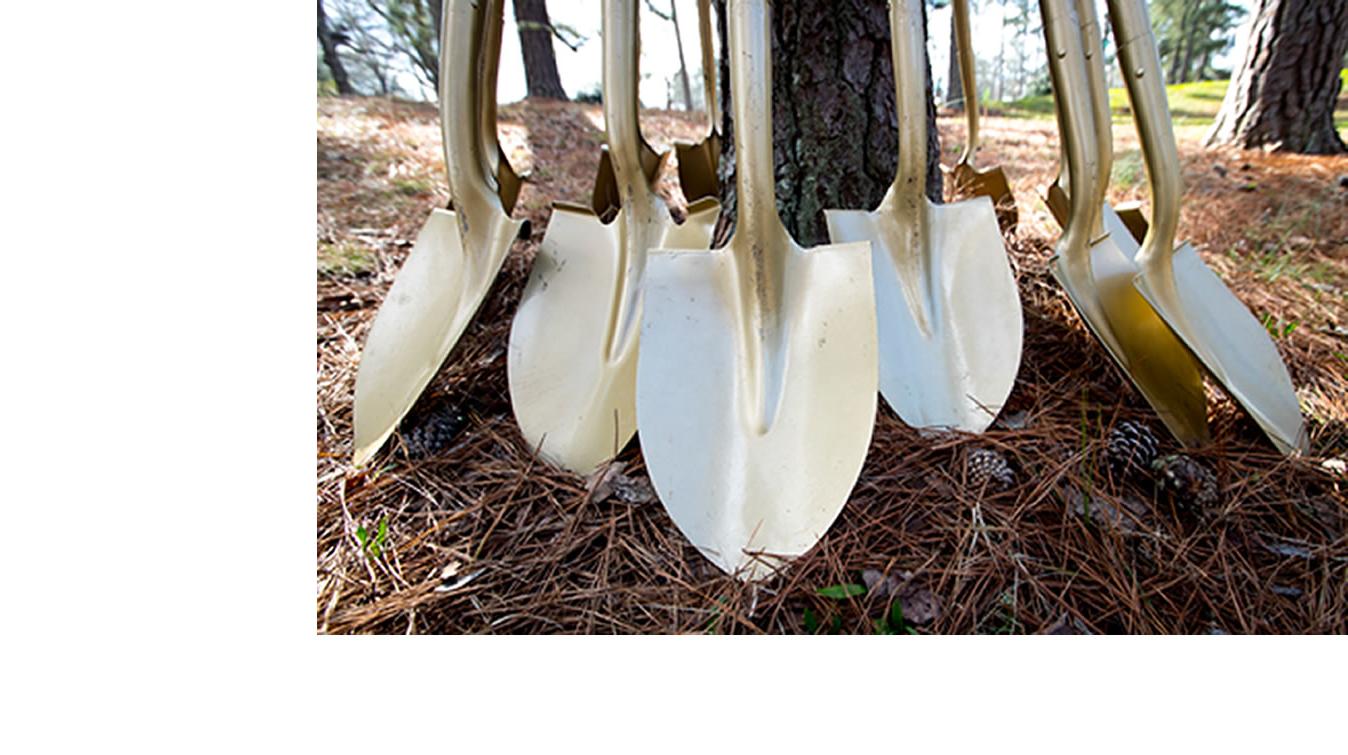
{"x": 969, "y": 181}
{"x": 947, "y": 308}
{"x": 1198, "y": 307}
{"x": 1089, "y": 265}
{"x": 756, "y": 384}
{"x": 698, "y": 162}
{"x": 458, "y": 251}
{"x": 1125, "y": 223}
{"x": 572, "y": 359}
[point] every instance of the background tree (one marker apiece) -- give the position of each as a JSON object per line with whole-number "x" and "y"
{"x": 1284, "y": 91}
{"x": 414, "y": 26}
{"x": 834, "y": 125}
{"x": 329, "y": 41}
{"x": 673, "y": 17}
{"x": 1189, "y": 33}
{"x": 540, "y": 61}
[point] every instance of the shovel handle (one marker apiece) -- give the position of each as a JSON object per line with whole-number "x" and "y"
{"x": 1092, "y": 47}
{"x": 489, "y": 64}
{"x": 968, "y": 79}
{"x": 622, "y": 56}
{"x": 908, "y": 46}
{"x": 751, "y": 97}
{"x": 462, "y": 33}
{"x": 704, "y": 33}
{"x": 1075, "y": 110}
{"x": 1141, "y": 64}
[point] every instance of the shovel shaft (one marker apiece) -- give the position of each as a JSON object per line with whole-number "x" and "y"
{"x": 968, "y": 80}
{"x": 1075, "y": 110}
{"x": 1092, "y": 47}
{"x": 1141, "y": 64}
{"x": 622, "y": 54}
{"x": 462, "y": 35}
{"x": 489, "y": 63}
{"x": 908, "y": 48}
{"x": 751, "y": 96}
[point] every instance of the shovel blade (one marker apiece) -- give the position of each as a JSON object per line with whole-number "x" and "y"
{"x": 951, "y": 329}
{"x": 991, "y": 183}
{"x": 751, "y": 487}
{"x": 1233, "y": 345}
{"x": 435, "y": 295}
{"x": 1138, "y": 339}
{"x": 571, "y": 363}
{"x": 697, "y": 168}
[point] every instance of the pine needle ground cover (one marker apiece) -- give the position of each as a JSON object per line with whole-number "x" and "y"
{"x": 1075, "y": 513}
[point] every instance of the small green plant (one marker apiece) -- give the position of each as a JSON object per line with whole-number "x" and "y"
{"x": 413, "y": 187}
{"x": 842, "y": 592}
{"x": 373, "y": 547}
{"x": 1280, "y": 328}
{"x": 812, "y": 625}
{"x": 893, "y": 621}
{"x": 344, "y": 258}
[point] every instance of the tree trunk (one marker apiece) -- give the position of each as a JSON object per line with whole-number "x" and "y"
{"x": 834, "y": 125}
{"x": 540, "y": 62}
{"x": 1284, "y": 92}
{"x": 330, "y": 57}
{"x": 954, "y": 87}
{"x": 683, "y": 65}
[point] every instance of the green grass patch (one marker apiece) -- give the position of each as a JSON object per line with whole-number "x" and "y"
{"x": 1193, "y": 104}
{"x": 413, "y": 187}
{"x": 1127, "y": 169}
{"x": 344, "y": 258}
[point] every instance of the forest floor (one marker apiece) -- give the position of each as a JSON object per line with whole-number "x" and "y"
{"x": 471, "y": 533}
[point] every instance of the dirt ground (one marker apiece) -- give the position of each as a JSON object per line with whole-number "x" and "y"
{"x": 470, "y": 533}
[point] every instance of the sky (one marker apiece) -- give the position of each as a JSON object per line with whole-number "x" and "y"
{"x": 580, "y": 70}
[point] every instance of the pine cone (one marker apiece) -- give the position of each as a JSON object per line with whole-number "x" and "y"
{"x": 1189, "y": 484}
{"x": 1130, "y": 446}
{"x": 434, "y": 434}
{"x": 988, "y": 468}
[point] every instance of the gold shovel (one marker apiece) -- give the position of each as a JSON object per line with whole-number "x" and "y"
{"x": 757, "y": 379}
{"x": 948, "y": 311}
{"x": 458, "y": 251}
{"x": 969, "y": 181}
{"x": 1089, "y": 265}
{"x": 1198, "y": 307}
{"x": 698, "y": 162}
{"x": 572, "y": 359}
{"x": 1125, "y": 223}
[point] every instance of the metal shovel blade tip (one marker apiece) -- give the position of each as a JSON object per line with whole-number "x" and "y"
{"x": 1233, "y": 345}
{"x": 435, "y": 295}
{"x": 950, "y": 331}
{"x": 1138, "y": 339}
{"x": 754, "y": 443}
{"x": 571, "y": 364}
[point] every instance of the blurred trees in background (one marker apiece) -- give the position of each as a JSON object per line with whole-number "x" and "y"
{"x": 1190, "y": 33}
{"x": 1284, "y": 93}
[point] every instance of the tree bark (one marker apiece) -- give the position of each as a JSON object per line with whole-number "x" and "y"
{"x": 330, "y": 56}
{"x": 1284, "y": 92}
{"x": 540, "y": 61}
{"x": 835, "y": 132}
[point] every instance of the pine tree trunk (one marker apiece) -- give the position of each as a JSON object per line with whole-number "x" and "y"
{"x": 834, "y": 125}
{"x": 330, "y": 57}
{"x": 540, "y": 61}
{"x": 683, "y": 64}
{"x": 954, "y": 87}
{"x": 1284, "y": 92}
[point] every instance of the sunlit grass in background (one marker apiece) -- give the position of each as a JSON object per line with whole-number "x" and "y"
{"x": 1192, "y": 104}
